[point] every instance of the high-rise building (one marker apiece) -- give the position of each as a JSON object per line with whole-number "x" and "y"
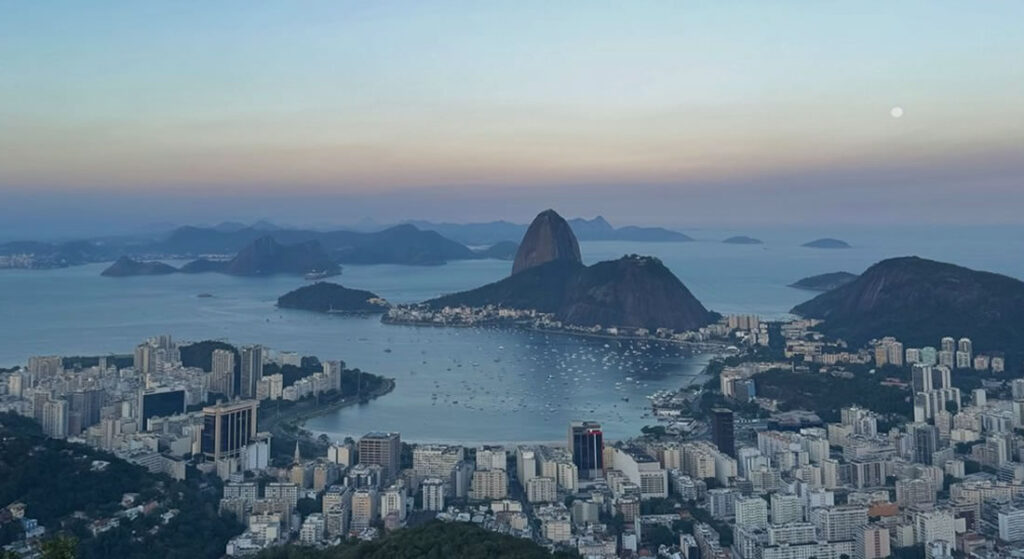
{"x": 160, "y": 402}
{"x": 873, "y": 542}
{"x": 751, "y": 513}
{"x": 384, "y": 450}
{"x": 55, "y": 418}
{"x": 436, "y": 461}
{"x": 722, "y": 431}
{"x": 228, "y": 428}
{"x": 222, "y": 373}
{"x": 948, "y": 344}
{"x": 251, "y": 371}
{"x": 364, "y": 508}
{"x": 433, "y": 494}
{"x": 586, "y": 442}
{"x": 839, "y": 523}
{"x": 926, "y": 442}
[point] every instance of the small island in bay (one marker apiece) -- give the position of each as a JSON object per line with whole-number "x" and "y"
{"x": 333, "y": 298}
{"x": 824, "y": 282}
{"x": 125, "y": 267}
{"x": 743, "y": 240}
{"x": 827, "y": 243}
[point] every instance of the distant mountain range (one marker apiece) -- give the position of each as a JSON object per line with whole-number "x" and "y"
{"x": 596, "y": 229}
{"x": 743, "y": 240}
{"x": 548, "y": 276}
{"x": 262, "y": 257}
{"x": 919, "y": 301}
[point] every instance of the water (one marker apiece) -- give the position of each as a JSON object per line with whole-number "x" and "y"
{"x": 509, "y": 385}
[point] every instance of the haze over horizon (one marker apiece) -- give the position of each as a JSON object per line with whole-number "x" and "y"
{"x": 118, "y": 115}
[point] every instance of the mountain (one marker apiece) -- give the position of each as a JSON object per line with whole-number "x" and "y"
{"x": 204, "y": 265}
{"x": 266, "y": 257}
{"x": 634, "y": 291}
{"x": 402, "y": 244}
{"x": 743, "y": 240}
{"x": 549, "y": 238}
{"x": 505, "y": 250}
{"x": 596, "y": 229}
{"x": 919, "y": 301}
{"x": 825, "y": 282}
{"x": 827, "y": 243}
{"x": 331, "y": 297}
{"x": 125, "y": 267}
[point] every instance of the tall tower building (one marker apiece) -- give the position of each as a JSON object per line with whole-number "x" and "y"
{"x": 384, "y": 450}
{"x": 228, "y": 428}
{"x": 252, "y": 371}
{"x": 222, "y": 373}
{"x": 586, "y": 442}
{"x": 722, "y": 431}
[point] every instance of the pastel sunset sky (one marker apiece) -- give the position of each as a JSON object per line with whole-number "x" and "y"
{"x": 669, "y": 113}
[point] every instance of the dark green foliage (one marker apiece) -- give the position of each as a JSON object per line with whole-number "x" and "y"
{"x": 55, "y": 478}
{"x": 331, "y": 297}
{"x": 434, "y": 540}
{"x": 826, "y": 394}
{"x": 658, "y": 535}
{"x": 200, "y": 354}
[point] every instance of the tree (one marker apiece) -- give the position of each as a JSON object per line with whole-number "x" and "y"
{"x": 60, "y": 547}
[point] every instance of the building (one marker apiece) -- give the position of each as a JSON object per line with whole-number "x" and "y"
{"x": 541, "y": 490}
{"x": 489, "y": 485}
{"x": 251, "y": 371}
{"x": 364, "y": 509}
{"x": 751, "y": 513}
{"x": 642, "y": 470}
{"x": 873, "y": 543}
{"x": 222, "y": 373}
{"x": 228, "y": 428}
{"x": 722, "y": 431}
{"x": 586, "y": 442}
{"x": 313, "y": 529}
{"x": 437, "y": 461}
{"x": 384, "y": 450}
{"x": 160, "y": 402}
{"x": 839, "y": 523}
{"x": 433, "y": 494}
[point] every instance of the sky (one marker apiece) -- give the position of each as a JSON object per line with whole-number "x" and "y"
{"x": 123, "y": 114}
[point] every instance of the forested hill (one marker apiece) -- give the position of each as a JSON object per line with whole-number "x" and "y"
{"x": 450, "y": 540}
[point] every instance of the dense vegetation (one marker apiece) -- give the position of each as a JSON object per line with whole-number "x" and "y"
{"x": 331, "y": 297}
{"x": 200, "y": 354}
{"x": 826, "y": 394}
{"x": 441, "y": 540}
{"x": 63, "y": 489}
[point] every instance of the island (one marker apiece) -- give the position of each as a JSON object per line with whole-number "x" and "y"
{"x": 824, "y": 282}
{"x": 549, "y": 277}
{"x": 333, "y": 298}
{"x": 919, "y": 301}
{"x": 743, "y": 240}
{"x": 125, "y": 267}
{"x": 827, "y": 243}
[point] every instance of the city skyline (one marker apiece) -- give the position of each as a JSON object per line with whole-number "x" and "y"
{"x": 663, "y": 113}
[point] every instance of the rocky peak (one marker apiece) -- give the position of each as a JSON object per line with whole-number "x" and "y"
{"x": 549, "y": 238}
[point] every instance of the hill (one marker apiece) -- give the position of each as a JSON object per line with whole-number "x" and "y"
{"x": 331, "y": 297}
{"x": 403, "y": 244}
{"x": 919, "y": 301}
{"x": 827, "y": 243}
{"x": 824, "y": 282}
{"x": 549, "y": 239}
{"x": 266, "y": 257}
{"x": 125, "y": 267}
{"x": 451, "y": 540}
{"x": 596, "y": 229}
{"x": 634, "y": 291}
{"x": 743, "y": 240}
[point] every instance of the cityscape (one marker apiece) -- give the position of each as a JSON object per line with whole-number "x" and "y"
{"x": 336, "y": 279}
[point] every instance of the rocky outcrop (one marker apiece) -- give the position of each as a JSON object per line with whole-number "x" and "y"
{"x": 548, "y": 239}
{"x": 265, "y": 257}
{"x": 824, "y": 282}
{"x": 332, "y": 298}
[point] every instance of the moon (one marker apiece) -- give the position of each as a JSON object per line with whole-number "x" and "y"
{"x": 896, "y": 112}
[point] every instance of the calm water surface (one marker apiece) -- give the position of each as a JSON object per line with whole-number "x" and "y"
{"x": 469, "y": 385}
